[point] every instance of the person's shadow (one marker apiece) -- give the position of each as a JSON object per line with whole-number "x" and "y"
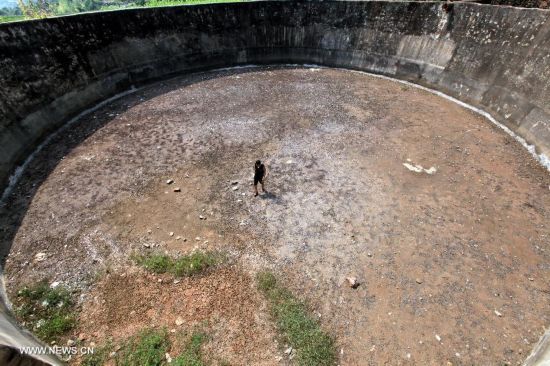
{"x": 269, "y": 196}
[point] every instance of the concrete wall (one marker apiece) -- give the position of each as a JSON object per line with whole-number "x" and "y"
{"x": 497, "y": 58}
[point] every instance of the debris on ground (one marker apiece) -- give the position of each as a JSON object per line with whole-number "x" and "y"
{"x": 352, "y": 281}
{"x": 418, "y": 168}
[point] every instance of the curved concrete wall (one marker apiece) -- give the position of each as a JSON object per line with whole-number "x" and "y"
{"x": 497, "y": 58}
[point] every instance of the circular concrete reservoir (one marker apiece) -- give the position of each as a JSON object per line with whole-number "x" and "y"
{"x": 438, "y": 214}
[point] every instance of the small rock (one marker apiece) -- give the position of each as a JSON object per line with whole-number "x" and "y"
{"x": 235, "y": 188}
{"x": 39, "y": 257}
{"x": 353, "y": 283}
{"x": 198, "y": 238}
{"x": 168, "y": 358}
{"x": 55, "y": 284}
{"x": 169, "y": 181}
{"x": 438, "y": 338}
{"x": 177, "y": 189}
{"x": 369, "y": 254}
{"x": 176, "y": 282}
{"x": 159, "y": 280}
{"x": 112, "y": 354}
{"x": 179, "y": 321}
{"x": 70, "y": 343}
{"x": 146, "y": 245}
{"x": 419, "y": 281}
{"x": 235, "y": 182}
{"x": 133, "y": 312}
{"x": 178, "y": 237}
{"x": 82, "y": 337}
{"x": 171, "y": 233}
{"x": 288, "y": 351}
{"x": 202, "y": 217}
{"x": 498, "y": 313}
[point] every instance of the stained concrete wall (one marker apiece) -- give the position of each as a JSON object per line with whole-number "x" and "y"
{"x": 497, "y": 58}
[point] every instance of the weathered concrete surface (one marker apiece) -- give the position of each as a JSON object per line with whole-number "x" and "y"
{"x": 492, "y": 57}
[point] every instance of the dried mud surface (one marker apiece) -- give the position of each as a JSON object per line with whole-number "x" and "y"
{"x": 438, "y": 255}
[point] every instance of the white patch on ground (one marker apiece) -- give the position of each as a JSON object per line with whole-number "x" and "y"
{"x": 419, "y": 169}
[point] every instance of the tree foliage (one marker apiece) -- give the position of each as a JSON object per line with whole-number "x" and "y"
{"x": 76, "y": 6}
{"x": 35, "y": 8}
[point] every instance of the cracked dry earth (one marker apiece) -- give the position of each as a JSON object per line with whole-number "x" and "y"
{"x": 438, "y": 255}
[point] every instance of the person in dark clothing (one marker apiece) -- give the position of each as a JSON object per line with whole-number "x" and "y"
{"x": 260, "y": 172}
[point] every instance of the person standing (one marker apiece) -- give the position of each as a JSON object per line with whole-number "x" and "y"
{"x": 260, "y": 173}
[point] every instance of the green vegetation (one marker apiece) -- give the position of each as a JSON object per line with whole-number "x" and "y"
{"x": 154, "y": 3}
{"x": 302, "y": 331}
{"x": 11, "y": 18}
{"x": 10, "y": 14}
{"x": 186, "y": 265}
{"x": 191, "y": 356}
{"x": 48, "y": 312}
{"x": 72, "y": 6}
{"x": 35, "y": 9}
{"x": 149, "y": 347}
{"x": 98, "y": 357}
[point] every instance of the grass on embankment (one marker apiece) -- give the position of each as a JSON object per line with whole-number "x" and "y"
{"x": 301, "y": 330}
{"x": 182, "y": 266}
{"x": 154, "y": 3}
{"x": 149, "y": 347}
{"x": 11, "y": 18}
{"x": 48, "y": 312}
